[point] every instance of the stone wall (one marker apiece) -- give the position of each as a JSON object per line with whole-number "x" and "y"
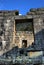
{"x": 38, "y": 21}
{"x": 14, "y": 38}
{"x": 38, "y": 27}
{"x": 23, "y": 35}
{"x": 36, "y": 11}
{"x": 6, "y": 30}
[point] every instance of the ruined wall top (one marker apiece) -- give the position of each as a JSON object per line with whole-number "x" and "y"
{"x": 32, "y": 13}
{"x": 36, "y": 11}
{"x": 8, "y": 12}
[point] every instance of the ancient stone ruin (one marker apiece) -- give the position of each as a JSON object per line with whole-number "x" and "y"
{"x": 21, "y": 30}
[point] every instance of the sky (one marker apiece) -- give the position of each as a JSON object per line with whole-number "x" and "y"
{"x": 22, "y": 5}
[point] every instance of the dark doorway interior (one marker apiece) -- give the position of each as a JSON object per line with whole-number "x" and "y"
{"x": 37, "y": 64}
{"x": 18, "y": 64}
{"x": 24, "y": 43}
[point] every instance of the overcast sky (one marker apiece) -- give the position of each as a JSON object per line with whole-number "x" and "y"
{"x": 22, "y": 5}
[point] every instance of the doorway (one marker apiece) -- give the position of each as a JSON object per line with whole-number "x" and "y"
{"x": 37, "y": 64}
{"x": 24, "y": 43}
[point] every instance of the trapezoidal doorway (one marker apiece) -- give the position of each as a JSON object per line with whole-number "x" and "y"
{"x": 24, "y": 43}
